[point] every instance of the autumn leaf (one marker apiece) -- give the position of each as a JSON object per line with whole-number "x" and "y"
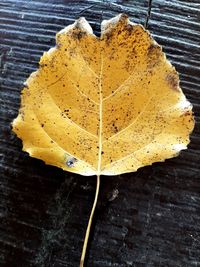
{"x": 104, "y": 106}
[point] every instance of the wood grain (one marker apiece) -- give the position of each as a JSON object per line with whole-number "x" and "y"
{"x": 155, "y": 220}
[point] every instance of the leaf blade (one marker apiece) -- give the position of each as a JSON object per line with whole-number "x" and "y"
{"x": 113, "y": 103}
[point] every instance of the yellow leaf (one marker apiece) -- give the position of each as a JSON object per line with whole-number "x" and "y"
{"x": 105, "y": 105}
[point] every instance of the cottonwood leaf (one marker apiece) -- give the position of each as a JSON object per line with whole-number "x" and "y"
{"x": 105, "y": 105}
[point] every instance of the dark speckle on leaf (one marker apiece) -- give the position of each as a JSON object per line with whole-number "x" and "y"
{"x": 173, "y": 80}
{"x": 77, "y": 34}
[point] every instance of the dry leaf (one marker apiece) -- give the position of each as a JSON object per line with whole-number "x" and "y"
{"x": 105, "y": 105}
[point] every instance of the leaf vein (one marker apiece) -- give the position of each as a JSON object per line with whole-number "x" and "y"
{"x": 66, "y": 152}
{"x": 133, "y": 122}
{"x": 71, "y": 121}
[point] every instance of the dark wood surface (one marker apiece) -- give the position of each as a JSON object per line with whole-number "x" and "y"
{"x": 155, "y": 219}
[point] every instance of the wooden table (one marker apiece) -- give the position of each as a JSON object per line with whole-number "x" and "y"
{"x": 155, "y": 219}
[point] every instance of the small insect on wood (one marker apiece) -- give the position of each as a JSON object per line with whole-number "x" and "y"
{"x": 70, "y": 162}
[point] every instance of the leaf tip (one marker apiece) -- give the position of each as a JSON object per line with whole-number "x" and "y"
{"x": 83, "y": 25}
{"x": 108, "y": 25}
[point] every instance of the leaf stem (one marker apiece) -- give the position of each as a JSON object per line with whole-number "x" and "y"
{"x": 90, "y": 223}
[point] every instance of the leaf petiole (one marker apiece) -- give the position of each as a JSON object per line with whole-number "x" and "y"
{"x": 87, "y": 234}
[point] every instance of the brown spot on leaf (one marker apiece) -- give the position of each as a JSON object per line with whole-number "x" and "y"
{"x": 153, "y": 48}
{"x": 108, "y": 36}
{"x": 78, "y": 34}
{"x": 123, "y": 17}
{"x": 186, "y": 113}
{"x": 173, "y": 80}
{"x": 26, "y": 86}
{"x": 154, "y": 53}
{"x": 129, "y": 29}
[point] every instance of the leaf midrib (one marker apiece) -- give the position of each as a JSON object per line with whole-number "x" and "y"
{"x": 100, "y": 118}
